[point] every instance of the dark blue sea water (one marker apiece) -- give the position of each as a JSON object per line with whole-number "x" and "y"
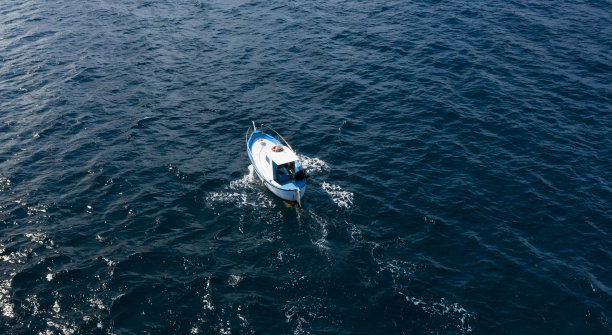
{"x": 460, "y": 155}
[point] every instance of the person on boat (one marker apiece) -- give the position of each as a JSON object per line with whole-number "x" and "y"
{"x": 282, "y": 175}
{"x": 285, "y": 173}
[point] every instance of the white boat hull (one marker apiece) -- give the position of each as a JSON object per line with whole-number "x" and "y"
{"x": 284, "y": 194}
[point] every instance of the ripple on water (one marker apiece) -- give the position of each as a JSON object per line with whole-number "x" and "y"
{"x": 341, "y": 197}
{"x": 452, "y": 146}
{"x": 454, "y": 316}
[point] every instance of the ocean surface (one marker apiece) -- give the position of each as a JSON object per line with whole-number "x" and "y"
{"x": 460, "y": 155}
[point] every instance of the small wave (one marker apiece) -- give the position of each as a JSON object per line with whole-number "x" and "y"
{"x": 60, "y": 326}
{"x": 342, "y": 198}
{"x": 445, "y": 309}
{"x": 244, "y": 323}
{"x": 97, "y": 303}
{"x": 5, "y": 184}
{"x": 111, "y": 265}
{"x": 234, "y": 280}
{"x": 37, "y": 209}
{"x": 6, "y": 279}
{"x": 32, "y": 304}
{"x": 286, "y": 255}
{"x": 302, "y": 312}
{"x": 356, "y": 233}
{"x": 222, "y": 320}
{"x": 40, "y": 238}
{"x": 17, "y": 257}
{"x": 56, "y": 307}
{"x": 206, "y": 299}
{"x": 177, "y": 172}
{"x": 5, "y": 298}
{"x": 399, "y": 270}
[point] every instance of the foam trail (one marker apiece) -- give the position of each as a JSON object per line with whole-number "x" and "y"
{"x": 313, "y": 164}
{"x": 241, "y": 192}
{"x": 244, "y": 182}
{"x": 321, "y": 241}
{"x": 342, "y": 198}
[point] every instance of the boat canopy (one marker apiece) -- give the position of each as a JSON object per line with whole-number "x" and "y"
{"x": 283, "y": 157}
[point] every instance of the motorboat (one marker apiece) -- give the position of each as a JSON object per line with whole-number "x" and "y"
{"x": 276, "y": 164}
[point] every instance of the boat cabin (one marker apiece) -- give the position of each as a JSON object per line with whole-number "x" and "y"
{"x": 284, "y": 164}
{"x": 285, "y": 173}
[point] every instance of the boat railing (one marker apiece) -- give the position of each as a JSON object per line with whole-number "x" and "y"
{"x": 249, "y": 133}
{"x": 282, "y": 138}
{"x": 263, "y": 129}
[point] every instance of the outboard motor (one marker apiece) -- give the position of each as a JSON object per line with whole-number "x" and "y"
{"x": 301, "y": 175}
